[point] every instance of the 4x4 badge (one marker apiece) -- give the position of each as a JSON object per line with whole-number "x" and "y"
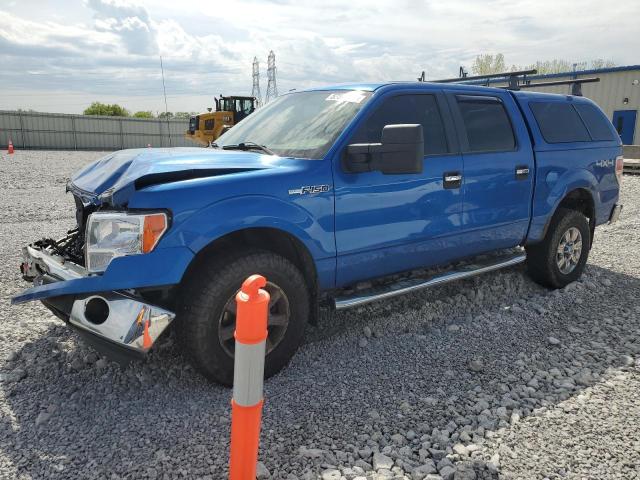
{"x": 311, "y": 189}
{"x": 605, "y": 163}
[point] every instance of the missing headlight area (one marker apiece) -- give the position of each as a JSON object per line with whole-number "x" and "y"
{"x": 70, "y": 247}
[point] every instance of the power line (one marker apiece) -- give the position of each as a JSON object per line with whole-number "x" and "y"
{"x": 272, "y": 88}
{"x": 255, "y": 91}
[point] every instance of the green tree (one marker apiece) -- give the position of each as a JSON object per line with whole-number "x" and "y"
{"x": 143, "y": 114}
{"x": 183, "y": 115}
{"x": 551, "y": 66}
{"x": 563, "y": 66}
{"x": 166, "y": 115}
{"x": 114, "y": 110}
{"x": 602, "y": 63}
{"x": 486, "y": 64}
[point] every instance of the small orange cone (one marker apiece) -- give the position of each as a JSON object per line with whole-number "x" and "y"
{"x": 146, "y": 338}
{"x": 10, "y": 149}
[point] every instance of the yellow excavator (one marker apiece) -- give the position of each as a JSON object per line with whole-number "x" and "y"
{"x": 206, "y": 127}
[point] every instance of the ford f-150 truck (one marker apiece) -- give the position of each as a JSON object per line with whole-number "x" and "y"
{"x": 337, "y": 196}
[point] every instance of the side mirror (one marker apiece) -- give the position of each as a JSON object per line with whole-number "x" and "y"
{"x": 401, "y": 151}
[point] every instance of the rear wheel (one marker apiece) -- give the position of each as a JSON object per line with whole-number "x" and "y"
{"x": 207, "y": 314}
{"x": 561, "y": 257}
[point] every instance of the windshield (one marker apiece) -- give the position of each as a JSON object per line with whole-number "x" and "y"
{"x": 301, "y": 125}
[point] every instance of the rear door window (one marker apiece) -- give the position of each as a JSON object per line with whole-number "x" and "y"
{"x": 406, "y": 109}
{"x": 598, "y": 125}
{"x": 487, "y": 123}
{"x": 559, "y": 122}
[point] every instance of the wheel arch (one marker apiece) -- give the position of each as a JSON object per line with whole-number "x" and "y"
{"x": 272, "y": 239}
{"x": 579, "y": 199}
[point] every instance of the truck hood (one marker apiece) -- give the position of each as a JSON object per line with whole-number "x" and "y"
{"x": 113, "y": 178}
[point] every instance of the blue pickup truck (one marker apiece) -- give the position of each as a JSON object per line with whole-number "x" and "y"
{"x": 337, "y": 196}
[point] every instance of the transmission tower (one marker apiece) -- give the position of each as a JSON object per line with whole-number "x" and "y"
{"x": 272, "y": 88}
{"x": 255, "y": 92}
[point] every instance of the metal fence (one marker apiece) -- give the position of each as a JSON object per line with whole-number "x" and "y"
{"x": 57, "y": 131}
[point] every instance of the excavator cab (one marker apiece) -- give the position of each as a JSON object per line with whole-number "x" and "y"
{"x": 206, "y": 127}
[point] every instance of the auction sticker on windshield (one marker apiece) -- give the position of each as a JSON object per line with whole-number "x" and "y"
{"x": 352, "y": 96}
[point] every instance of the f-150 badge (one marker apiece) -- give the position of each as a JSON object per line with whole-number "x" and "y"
{"x": 311, "y": 189}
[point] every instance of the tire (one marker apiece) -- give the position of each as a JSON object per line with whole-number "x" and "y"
{"x": 205, "y": 314}
{"x": 543, "y": 260}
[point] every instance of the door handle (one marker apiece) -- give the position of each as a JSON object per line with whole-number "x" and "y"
{"x": 451, "y": 180}
{"x": 522, "y": 172}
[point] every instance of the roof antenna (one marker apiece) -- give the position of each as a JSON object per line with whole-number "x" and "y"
{"x": 422, "y": 77}
{"x": 462, "y": 72}
{"x": 166, "y": 110}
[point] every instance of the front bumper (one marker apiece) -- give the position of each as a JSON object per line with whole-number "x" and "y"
{"x": 120, "y": 322}
{"x": 162, "y": 267}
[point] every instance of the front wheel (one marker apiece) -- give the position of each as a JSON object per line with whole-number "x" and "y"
{"x": 207, "y": 313}
{"x": 561, "y": 257}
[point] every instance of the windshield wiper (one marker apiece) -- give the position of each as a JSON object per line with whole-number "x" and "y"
{"x": 248, "y": 146}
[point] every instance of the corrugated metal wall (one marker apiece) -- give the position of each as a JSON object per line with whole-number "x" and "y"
{"x": 610, "y": 93}
{"x": 56, "y": 131}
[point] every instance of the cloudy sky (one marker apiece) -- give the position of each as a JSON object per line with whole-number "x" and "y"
{"x": 59, "y": 55}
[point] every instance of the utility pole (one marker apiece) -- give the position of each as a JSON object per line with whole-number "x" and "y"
{"x": 255, "y": 91}
{"x": 272, "y": 88}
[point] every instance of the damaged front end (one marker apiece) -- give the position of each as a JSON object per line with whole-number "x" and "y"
{"x": 120, "y": 324}
{"x": 118, "y": 309}
{"x": 114, "y": 276}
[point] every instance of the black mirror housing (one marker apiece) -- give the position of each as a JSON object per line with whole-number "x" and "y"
{"x": 401, "y": 151}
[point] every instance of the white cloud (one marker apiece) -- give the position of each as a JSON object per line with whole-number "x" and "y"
{"x": 108, "y": 49}
{"x": 130, "y": 22}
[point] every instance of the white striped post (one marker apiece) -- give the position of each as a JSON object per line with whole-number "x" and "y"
{"x": 246, "y": 406}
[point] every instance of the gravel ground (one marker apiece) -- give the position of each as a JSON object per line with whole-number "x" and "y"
{"x": 493, "y": 377}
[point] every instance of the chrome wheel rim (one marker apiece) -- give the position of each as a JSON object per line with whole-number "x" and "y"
{"x": 277, "y": 323}
{"x": 569, "y": 250}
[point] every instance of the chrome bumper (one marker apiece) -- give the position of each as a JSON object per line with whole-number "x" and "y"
{"x": 615, "y": 213}
{"x": 124, "y": 320}
{"x": 119, "y": 318}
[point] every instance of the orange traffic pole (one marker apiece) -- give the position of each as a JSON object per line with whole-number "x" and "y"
{"x": 246, "y": 406}
{"x": 10, "y": 148}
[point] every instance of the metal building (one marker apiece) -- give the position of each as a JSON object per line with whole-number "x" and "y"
{"x": 617, "y": 93}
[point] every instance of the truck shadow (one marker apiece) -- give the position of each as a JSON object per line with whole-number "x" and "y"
{"x": 70, "y": 416}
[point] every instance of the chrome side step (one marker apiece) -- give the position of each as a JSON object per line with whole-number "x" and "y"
{"x": 411, "y": 285}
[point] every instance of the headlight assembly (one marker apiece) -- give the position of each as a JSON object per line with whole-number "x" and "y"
{"x": 116, "y": 234}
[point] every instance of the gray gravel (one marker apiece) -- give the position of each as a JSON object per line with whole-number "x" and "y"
{"x": 493, "y": 377}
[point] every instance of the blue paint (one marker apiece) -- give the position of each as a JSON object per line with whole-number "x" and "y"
{"x": 163, "y": 266}
{"x": 365, "y": 225}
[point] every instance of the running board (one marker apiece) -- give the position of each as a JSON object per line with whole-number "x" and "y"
{"x": 411, "y": 285}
